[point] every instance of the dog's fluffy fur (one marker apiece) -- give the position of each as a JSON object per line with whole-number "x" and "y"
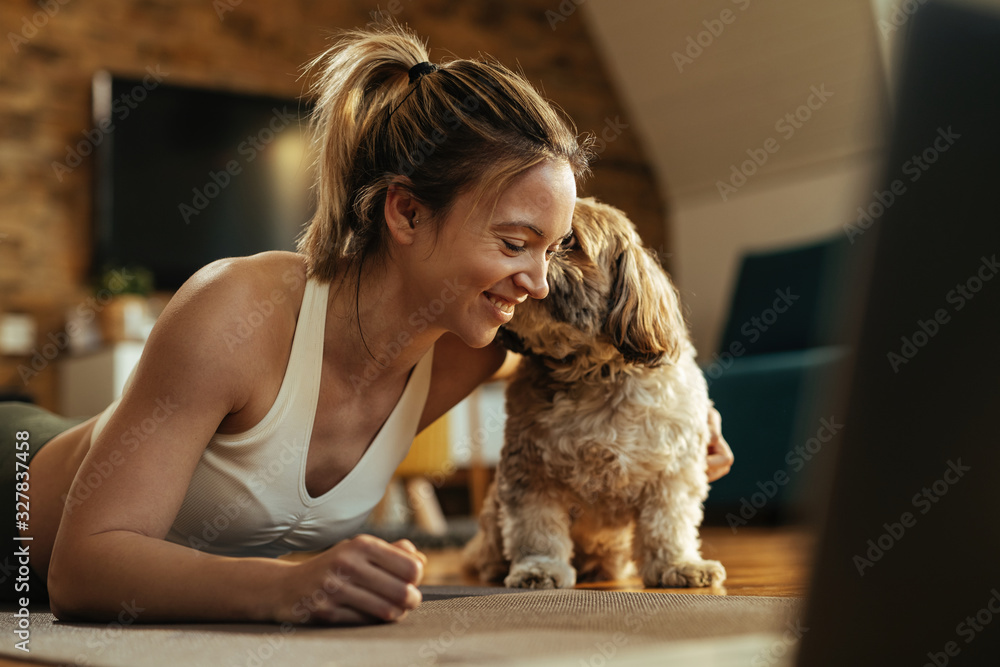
{"x": 604, "y": 455}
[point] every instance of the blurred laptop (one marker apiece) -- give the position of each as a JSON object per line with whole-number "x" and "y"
{"x": 906, "y": 569}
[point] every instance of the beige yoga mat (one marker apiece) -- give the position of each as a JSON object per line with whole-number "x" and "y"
{"x": 454, "y": 626}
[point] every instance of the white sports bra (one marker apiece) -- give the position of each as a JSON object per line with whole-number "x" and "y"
{"x": 248, "y": 494}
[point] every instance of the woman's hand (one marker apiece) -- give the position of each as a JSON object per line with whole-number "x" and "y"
{"x": 720, "y": 457}
{"x": 358, "y": 581}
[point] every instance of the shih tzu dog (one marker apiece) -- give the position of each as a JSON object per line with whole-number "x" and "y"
{"x": 604, "y": 455}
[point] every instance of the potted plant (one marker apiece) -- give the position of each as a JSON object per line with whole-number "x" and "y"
{"x": 120, "y": 298}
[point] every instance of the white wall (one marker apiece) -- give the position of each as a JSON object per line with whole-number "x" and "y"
{"x": 700, "y": 107}
{"x": 710, "y": 237}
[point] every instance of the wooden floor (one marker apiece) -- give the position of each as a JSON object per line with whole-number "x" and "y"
{"x": 758, "y": 561}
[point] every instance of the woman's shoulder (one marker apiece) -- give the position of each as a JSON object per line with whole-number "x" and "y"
{"x": 245, "y": 302}
{"x": 235, "y": 304}
{"x": 274, "y": 275}
{"x": 228, "y": 322}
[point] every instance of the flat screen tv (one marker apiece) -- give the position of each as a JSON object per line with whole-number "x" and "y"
{"x": 185, "y": 176}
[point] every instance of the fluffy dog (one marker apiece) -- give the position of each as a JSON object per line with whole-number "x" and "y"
{"x": 604, "y": 455}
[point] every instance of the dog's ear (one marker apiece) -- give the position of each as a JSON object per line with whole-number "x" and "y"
{"x": 644, "y": 317}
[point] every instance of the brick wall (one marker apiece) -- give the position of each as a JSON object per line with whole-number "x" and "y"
{"x": 51, "y": 48}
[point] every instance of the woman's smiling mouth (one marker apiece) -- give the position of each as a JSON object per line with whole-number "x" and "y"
{"x": 503, "y": 307}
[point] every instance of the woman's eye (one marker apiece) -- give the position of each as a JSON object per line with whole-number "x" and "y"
{"x": 512, "y": 247}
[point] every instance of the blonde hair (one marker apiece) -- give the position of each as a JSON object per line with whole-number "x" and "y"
{"x": 468, "y": 125}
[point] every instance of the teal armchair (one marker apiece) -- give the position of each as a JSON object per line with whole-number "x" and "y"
{"x": 780, "y": 353}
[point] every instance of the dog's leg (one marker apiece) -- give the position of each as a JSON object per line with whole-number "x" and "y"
{"x": 602, "y": 544}
{"x": 484, "y": 554}
{"x": 536, "y": 541}
{"x": 667, "y": 546}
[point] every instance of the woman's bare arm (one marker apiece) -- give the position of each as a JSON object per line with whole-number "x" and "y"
{"x": 507, "y": 368}
{"x": 110, "y": 549}
{"x": 720, "y": 456}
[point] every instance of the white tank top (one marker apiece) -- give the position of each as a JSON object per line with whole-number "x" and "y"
{"x": 248, "y": 494}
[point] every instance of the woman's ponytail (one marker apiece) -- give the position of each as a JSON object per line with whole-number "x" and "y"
{"x": 356, "y": 79}
{"x": 465, "y": 124}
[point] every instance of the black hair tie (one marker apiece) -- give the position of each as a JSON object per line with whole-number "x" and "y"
{"x": 420, "y": 69}
{"x": 416, "y": 72}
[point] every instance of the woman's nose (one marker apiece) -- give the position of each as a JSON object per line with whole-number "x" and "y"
{"x": 534, "y": 280}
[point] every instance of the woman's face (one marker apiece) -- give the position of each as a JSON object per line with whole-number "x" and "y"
{"x": 486, "y": 262}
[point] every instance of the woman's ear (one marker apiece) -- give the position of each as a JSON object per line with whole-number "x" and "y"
{"x": 401, "y": 211}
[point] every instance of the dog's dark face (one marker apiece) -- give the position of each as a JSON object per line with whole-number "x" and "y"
{"x": 607, "y": 294}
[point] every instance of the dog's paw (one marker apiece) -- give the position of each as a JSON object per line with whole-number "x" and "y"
{"x": 540, "y": 573}
{"x": 691, "y": 574}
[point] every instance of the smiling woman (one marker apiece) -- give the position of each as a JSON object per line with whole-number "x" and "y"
{"x": 443, "y": 192}
{"x": 501, "y": 263}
